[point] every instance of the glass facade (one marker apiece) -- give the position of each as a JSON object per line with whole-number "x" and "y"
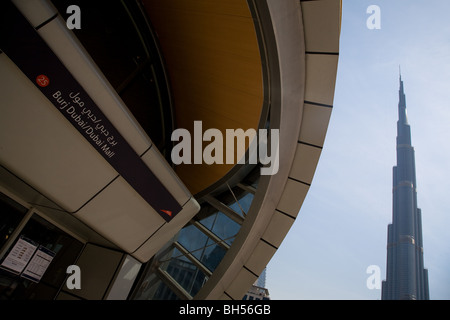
{"x": 183, "y": 268}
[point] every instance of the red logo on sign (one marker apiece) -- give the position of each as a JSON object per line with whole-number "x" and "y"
{"x": 42, "y": 80}
{"x": 169, "y": 213}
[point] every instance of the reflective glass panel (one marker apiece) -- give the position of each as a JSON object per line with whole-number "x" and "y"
{"x": 225, "y": 228}
{"x": 11, "y": 213}
{"x": 184, "y": 272}
{"x": 213, "y": 254}
{"x": 193, "y": 240}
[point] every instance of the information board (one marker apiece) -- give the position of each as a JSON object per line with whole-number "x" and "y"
{"x": 19, "y": 256}
{"x": 38, "y": 264}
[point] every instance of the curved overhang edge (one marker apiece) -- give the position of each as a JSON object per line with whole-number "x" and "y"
{"x": 270, "y": 26}
{"x": 290, "y": 65}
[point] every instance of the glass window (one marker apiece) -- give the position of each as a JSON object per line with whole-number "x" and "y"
{"x": 243, "y": 204}
{"x": 205, "y": 249}
{"x": 65, "y": 248}
{"x": 246, "y": 201}
{"x": 193, "y": 240}
{"x": 222, "y": 226}
{"x": 238, "y": 199}
{"x": 184, "y": 272}
{"x": 213, "y": 254}
{"x": 153, "y": 288}
{"x": 11, "y": 213}
{"x": 208, "y": 222}
{"x": 225, "y": 228}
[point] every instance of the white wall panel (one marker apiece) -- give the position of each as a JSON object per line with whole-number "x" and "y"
{"x": 314, "y": 124}
{"x": 305, "y": 163}
{"x": 40, "y": 146}
{"x": 121, "y": 215}
{"x": 321, "y": 72}
{"x": 322, "y": 25}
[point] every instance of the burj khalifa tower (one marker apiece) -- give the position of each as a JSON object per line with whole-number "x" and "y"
{"x": 406, "y": 278}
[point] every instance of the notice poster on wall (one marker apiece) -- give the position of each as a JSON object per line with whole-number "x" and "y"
{"x": 19, "y": 256}
{"x": 38, "y": 264}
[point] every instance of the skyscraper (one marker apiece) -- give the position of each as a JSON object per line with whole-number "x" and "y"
{"x": 406, "y": 278}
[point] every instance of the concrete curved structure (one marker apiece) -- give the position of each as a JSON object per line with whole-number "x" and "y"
{"x": 299, "y": 47}
{"x": 302, "y": 76}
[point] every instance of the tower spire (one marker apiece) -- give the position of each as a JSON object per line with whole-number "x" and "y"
{"x": 401, "y": 82}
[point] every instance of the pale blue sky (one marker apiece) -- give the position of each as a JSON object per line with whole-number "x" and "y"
{"x": 341, "y": 228}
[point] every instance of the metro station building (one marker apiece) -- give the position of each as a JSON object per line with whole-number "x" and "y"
{"x": 87, "y": 114}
